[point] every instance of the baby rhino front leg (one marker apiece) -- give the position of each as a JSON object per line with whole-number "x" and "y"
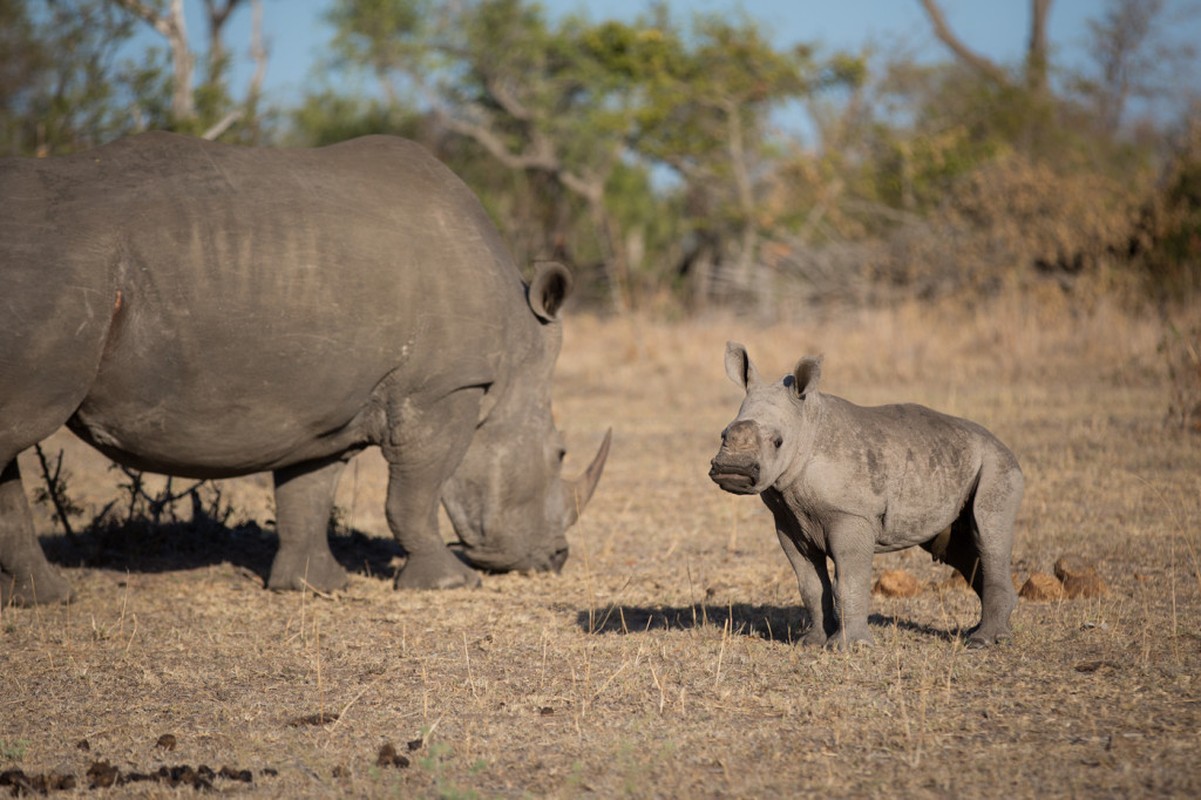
{"x": 852, "y": 542}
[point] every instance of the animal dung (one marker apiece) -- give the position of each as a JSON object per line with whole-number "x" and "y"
{"x": 1080, "y": 578}
{"x": 897, "y": 583}
{"x": 166, "y": 742}
{"x": 1041, "y": 587}
{"x": 23, "y": 784}
{"x": 315, "y": 720}
{"x": 388, "y": 757}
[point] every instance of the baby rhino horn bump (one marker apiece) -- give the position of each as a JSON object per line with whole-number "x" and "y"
{"x": 742, "y": 435}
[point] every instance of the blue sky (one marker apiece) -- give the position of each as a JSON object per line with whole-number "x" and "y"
{"x": 298, "y": 36}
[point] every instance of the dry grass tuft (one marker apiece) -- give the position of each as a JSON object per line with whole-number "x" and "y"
{"x": 662, "y": 661}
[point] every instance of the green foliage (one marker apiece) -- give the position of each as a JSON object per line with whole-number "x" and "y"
{"x": 58, "y": 86}
{"x": 578, "y": 115}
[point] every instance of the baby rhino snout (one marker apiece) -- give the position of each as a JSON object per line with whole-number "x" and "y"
{"x": 735, "y": 468}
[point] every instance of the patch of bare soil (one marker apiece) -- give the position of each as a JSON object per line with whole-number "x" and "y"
{"x": 663, "y": 660}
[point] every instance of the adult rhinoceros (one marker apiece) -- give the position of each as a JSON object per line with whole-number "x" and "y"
{"x": 206, "y": 310}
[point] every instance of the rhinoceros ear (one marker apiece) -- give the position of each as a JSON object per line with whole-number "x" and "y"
{"x": 549, "y": 288}
{"x": 739, "y": 366}
{"x": 806, "y": 375}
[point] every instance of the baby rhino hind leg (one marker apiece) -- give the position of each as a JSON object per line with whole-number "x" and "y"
{"x": 978, "y": 545}
{"x": 994, "y": 510}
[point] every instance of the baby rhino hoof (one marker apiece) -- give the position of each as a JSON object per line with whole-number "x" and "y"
{"x": 849, "y": 643}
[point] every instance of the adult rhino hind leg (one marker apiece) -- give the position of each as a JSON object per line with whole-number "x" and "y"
{"x": 421, "y": 457}
{"x": 304, "y": 496}
{"x": 26, "y": 577}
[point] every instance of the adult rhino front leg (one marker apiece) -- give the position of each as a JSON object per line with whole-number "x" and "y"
{"x": 26, "y": 577}
{"x": 428, "y": 443}
{"x": 304, "y": 496}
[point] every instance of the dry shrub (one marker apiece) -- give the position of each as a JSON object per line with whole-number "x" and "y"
{"x": 1181, "y": 351}
{"x": 1010, "y": 222}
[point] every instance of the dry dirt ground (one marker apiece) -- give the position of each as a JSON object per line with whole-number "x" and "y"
{"x": 661, "y": 662}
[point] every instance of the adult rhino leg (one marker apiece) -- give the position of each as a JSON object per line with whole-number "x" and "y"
{"x": 426, "y": 447}
{"x": 26, "y": 577}
{"x": 304, "y": 495}
{"x": 994, "y": 510}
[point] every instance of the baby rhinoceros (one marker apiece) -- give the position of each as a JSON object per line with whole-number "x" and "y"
{"x": 845, "y": 481}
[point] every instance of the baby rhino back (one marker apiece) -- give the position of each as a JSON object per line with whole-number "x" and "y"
{"x": 907, "y": 465}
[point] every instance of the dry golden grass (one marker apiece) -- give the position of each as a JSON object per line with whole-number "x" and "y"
{"x": 661, "y": 662}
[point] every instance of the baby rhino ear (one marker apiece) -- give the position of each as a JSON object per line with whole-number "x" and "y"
{"x": 739, "y": 367}
{"x": 806, "y": 375}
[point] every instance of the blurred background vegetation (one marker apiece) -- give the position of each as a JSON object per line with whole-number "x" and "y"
{"x": 644, "y": 154}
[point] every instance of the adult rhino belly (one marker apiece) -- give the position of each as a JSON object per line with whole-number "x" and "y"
{"x": 218, "y": 413}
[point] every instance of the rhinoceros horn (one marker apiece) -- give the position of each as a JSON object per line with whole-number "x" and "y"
{"x": 579, "y": 490}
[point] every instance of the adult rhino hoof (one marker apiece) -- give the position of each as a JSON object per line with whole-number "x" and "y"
{"x": 440, "y": 570}
{"x": 306, "y": 573}
{"x": 45, "y": 589}
{"x": 977, "y": 640}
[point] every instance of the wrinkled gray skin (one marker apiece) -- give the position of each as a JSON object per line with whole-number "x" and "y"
{"x": 209, "y": 311}
{"x": 845, "y": 482}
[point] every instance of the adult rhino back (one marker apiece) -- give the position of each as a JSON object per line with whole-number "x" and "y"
{"x": 226, "y": 310}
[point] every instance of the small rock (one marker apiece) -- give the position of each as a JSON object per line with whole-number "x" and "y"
{"x": 897, "y": 583}
{"x": 166, "y": 741}
{"x": 1041, "y": 587}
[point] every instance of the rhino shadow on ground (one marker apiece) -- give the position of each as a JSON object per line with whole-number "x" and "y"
{"x": 141, "y": 546}
{"x": 773, "y": 623}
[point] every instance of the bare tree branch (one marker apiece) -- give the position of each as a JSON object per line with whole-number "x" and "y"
{"x": 258, "y": 51}
{"x": 173, "y": 28}
{"x": 1036, "y": 52}
{"x": 974, "y": 60}
{"x": 222, "y": 125}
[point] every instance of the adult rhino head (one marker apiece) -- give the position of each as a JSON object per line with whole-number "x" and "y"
{"x": 508, "y": 501}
